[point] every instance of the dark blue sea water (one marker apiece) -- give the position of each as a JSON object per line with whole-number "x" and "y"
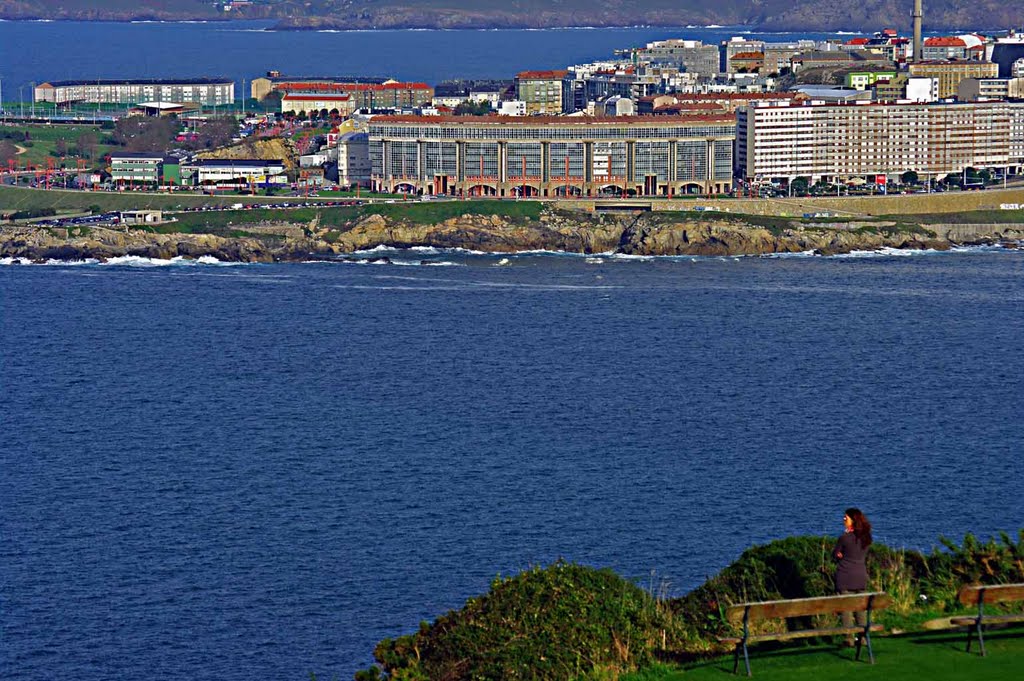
{"x": 255, "y": 472}
{"x": 41, "y": 51}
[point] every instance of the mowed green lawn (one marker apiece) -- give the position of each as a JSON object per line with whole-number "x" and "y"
{"x": 23, "y": 198}
{"x": 913, "y": 657}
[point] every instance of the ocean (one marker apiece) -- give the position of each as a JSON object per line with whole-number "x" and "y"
{"x": 42, "y": 51}
{"x": 213, "y": 471}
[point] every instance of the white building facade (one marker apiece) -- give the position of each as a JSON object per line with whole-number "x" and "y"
{"x": 203, "y": 91}
{"x": 841, "y": 141}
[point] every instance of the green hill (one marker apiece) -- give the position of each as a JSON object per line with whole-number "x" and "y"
{"x": 865, "y": 15}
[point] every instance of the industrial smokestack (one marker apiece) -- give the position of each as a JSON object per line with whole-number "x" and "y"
{"x": 918, "y": 45}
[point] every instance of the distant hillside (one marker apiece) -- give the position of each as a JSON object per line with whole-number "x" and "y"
{"x": 863, "y": 15}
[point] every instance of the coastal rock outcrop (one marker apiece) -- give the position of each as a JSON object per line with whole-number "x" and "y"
{"x": 554, "y": 230}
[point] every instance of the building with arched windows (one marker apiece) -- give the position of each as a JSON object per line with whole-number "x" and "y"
{"x": 551, "y": 156}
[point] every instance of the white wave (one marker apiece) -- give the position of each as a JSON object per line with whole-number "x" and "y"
{"x": 179, "y": 261}
{"x": 886, "y": 252}
{"x": 631, "y": 256}
{"x": 51, "y": 262}
{"x": 375, "y": 249}
{"x": 210, "y": 260}
{"x": 426, "y": 250}
{"x": 783, "y": 256}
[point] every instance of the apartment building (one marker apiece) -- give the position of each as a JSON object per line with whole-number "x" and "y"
{"x": 864, "y": 79}
{"x": 691, "y": 56}
{"x": 841, "y": 141}
{"x": 132, "y": 169}
{"x": 980, "y": 89}
{"x": 541, "y": 90}
{"x": 366, "y": 93}
{"x": 737, "y": 45}
{"x": 549, "y": 156}
{"x": 203, "y": 91}
{"x": 306, "y": 102}
{"x": 261, "y": 87}
{"x": 722, "y": 101}
{"x": 950, "y": 73}
{"x": 354, "y": 160}
{"x": 944, "y": 48}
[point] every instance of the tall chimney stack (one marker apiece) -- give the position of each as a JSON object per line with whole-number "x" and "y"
{"x": 918, "y": 44}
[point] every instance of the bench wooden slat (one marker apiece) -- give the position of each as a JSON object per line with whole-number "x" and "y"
{"x": 802, "y": 633}
{"x": 995, "y": 593}
{"x": 809, "y": 633}
{"x": 961, "y": 621}
{"x": 801, "y": 607}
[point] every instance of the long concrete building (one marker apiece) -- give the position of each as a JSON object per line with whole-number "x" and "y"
{"x": 843, "y": 141}
{"x": 549, "y": 156}
{"x": 365, "y": 93}
{"x": 204, "y": 91}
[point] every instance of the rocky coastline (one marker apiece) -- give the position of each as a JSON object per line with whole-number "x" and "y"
{"x": 633, "y": 234}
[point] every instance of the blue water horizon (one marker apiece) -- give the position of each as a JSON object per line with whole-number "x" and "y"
{"x": 243, "y": 50}
{"x": 229, "y": 472}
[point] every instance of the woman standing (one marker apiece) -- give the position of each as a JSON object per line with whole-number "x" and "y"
{"x": 851, "y": 550}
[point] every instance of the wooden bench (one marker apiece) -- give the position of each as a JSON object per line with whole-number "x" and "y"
{"x": 746, "y": 614}
{"x": 981, "y": 596}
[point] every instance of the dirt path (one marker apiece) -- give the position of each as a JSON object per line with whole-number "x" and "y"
{"x": 21, "y": 150}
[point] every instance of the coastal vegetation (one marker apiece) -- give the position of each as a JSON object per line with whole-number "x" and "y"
{"x": 568, "y": 621}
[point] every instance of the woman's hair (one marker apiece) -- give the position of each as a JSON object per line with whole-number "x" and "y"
{"x": 861, "y": 526}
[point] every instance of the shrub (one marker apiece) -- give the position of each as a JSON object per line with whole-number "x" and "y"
{"x": 975, "y": 562}
{"x": 560, "y": 622}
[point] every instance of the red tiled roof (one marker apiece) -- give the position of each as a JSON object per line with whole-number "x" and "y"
{"x": 315, "y": 98}
{"x": 542, "y": 75}
{"x": 744, "y": 56}
{"x": 944, "y": 42}
{"x": 736, "y": 95}
{"x": 689, "y": 106}
{"x": 558, "y": 120}
{"x": 349, "y": 87}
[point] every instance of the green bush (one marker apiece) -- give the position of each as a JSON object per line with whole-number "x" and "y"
{"x": 972, "y": 562}
{"x": 564, "y": 621}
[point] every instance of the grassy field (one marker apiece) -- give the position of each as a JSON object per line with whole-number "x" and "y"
{"x": 916, "y": 657}
{"x": 974, "y": 217}
{"x": 13, "y": 198}
{"x": 43, "y": 142}
{"x": 432, "y": 212}
{"x": 419, "y": 213}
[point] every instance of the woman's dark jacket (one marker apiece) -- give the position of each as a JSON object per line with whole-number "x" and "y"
{"x": 852, "y": 572}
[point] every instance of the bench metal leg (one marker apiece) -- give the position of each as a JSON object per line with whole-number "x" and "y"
{"x": 970, "y": 635}
{"x": 746, "y": 658}
{"x": 981, "y": 638}
{"x": 736, "y": 658}
{"x": 865, "y": 636}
